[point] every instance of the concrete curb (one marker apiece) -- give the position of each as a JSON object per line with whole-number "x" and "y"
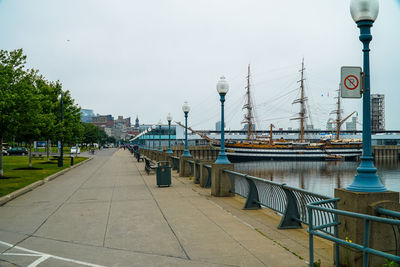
{"x": 20, "y": 192}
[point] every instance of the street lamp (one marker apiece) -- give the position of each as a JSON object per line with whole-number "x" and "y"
{"x": 154, "y": 141}
{"x": 364, "y": 13}
{"x": 159, "y": 136}
{"x": 148, "y": 143}
{"x": 186, "y": 109}
{"x": 61, "y": 158}
{"x": 222, "y": 89}
{"x": 169, "y": 119}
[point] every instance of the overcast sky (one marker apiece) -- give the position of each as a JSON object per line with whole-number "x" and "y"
{"x": 145, "y": 58}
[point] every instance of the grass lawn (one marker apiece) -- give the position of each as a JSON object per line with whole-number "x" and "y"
{"x": 17, "y": 175}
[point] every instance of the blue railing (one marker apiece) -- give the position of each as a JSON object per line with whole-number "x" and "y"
{"x": 289, "y": 201}
{"x": 316, "y": 228}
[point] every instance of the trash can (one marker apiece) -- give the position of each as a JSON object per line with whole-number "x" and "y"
{"x": 163, "y": 173}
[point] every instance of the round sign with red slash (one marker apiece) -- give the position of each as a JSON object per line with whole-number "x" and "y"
{"x": 351, "y": 82}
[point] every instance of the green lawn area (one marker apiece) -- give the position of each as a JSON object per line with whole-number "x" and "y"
{"x": 67, "y": 149}
{"x": 17, "y": 175}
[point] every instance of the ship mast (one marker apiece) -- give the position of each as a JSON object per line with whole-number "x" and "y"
{"x": 339, "y": 121}
{"x": 302, "y": 100}
{"x": 248, "y": 118}
{"x": 338, "y": 112}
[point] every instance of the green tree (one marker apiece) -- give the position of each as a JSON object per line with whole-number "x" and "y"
{"x": 12, "y": 74}
{"x": 32, "y": 118}
{"x": 72, "y": 127}
{"x": 49, "y": 104}
{"x": 91, "y": 133}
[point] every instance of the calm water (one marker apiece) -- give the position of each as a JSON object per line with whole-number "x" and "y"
{"x": 319, "y": 177}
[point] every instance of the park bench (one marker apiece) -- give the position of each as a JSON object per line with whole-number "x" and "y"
{"x": 149, "y": 165}
{"x": 138, "y": 156}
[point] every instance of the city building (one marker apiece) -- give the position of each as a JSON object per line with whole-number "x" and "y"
{"x": 122, "y": 123}
{"x": 352, "y": 125}
{"x": 330, "y": 125}
{"x": 309, "y": 127}
{"x": 137, "y": 122}
{"x": 218, "y": 126}
{"x": 87, "y": 115}
{"x": 378, "y": 112}
{"x": 253, "y": 127}
{"x": 103, "y": 121}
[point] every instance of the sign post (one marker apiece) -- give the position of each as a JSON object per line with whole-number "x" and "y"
{"x": 351, "y": 82}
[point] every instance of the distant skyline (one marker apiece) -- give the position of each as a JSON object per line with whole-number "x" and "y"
{"x": 145, "y": 58}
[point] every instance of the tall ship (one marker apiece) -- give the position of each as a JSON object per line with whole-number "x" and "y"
{"x": 256, "y": 148}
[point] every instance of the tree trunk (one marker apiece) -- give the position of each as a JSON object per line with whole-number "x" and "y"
{"x": 30, "y": 155}
{"x": 48, "y": 150}
{"x": 1, "y": 158}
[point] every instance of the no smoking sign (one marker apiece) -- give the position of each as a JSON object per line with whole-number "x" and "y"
{"x": 350, "y": 82}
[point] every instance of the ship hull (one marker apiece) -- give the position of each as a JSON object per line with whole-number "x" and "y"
{"x": 243, "y": 154}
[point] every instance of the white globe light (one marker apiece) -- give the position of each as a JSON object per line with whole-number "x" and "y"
{"x": 149, "y": 129}
{"x": 153, "y": 127}
{"x": 222, "y": 86}
{"x": 186, "y": 107}
{"x": 169, "y": 117}
{"x": 364, "y": 10}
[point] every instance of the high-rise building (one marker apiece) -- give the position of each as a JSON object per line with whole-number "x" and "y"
{"x": 330, "y": 124}
{"x": 378, "y": 112}
{"x": 352, "y": 125}
{"x": 87, "y": 115}
{"x": 218, "y": 126}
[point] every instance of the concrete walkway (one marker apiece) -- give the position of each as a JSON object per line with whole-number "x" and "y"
{"x": 108, "y": 212}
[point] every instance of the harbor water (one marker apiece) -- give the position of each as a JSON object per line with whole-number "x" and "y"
{"x": 321, "y": 177}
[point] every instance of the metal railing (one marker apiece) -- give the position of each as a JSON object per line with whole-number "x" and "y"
{"x": 208, "y": 168}
{"x": 390, "y": 214}
{"x": 175, "y": 163}
{"x": 316, "y": 229}
{"x": 289, "y": 201}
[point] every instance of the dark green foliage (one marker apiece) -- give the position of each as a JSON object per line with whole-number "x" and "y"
{"x": 30, "y": 106}
{"x": 93, "y": 134}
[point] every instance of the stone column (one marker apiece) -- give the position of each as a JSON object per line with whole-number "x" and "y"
{"x": 353, "y": 229}
{"x": 220, "y": 182}
{"x": 184, "y": 167}
{"x": 204, "y": 172}
{"x": 169, "y": 159}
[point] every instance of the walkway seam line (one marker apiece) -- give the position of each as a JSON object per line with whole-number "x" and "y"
{"x": 162, "y": 213}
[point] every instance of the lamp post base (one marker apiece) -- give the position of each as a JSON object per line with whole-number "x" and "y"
{"x": 222, "y": 159}
{"x": 366, "y": 179}
{"x": 186, "y": 153}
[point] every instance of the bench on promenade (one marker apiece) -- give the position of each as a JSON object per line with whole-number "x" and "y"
{"x": 149, "y": 165}
{"x": 138, "y": 156}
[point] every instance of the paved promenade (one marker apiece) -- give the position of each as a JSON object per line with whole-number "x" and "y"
{"x": 108, "y": 212}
